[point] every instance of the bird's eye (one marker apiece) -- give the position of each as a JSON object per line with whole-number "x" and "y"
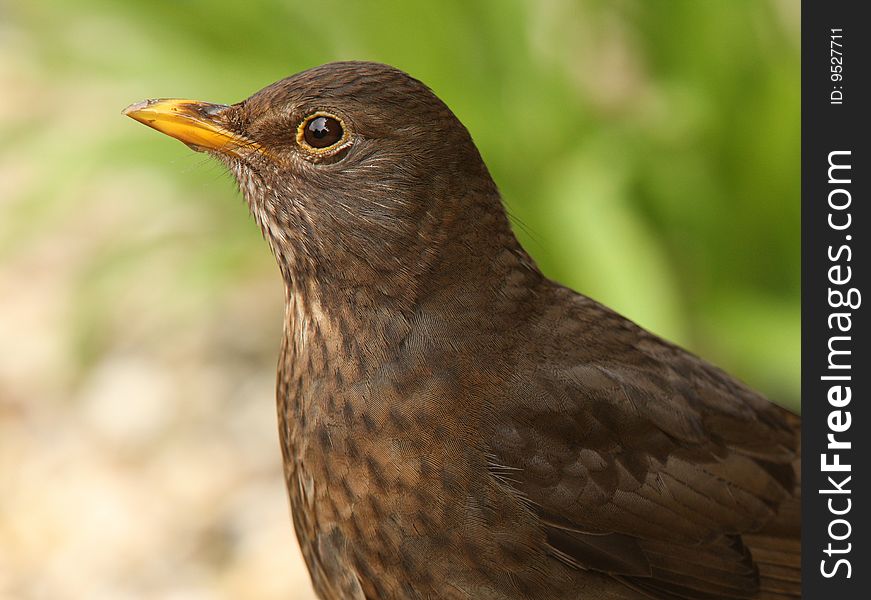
{"x": 320, "y": 132}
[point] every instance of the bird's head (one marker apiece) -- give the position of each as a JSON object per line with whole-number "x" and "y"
{"x": 356, "y": 172}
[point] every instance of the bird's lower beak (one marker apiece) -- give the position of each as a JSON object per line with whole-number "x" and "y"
{"x": 197, "y": 124}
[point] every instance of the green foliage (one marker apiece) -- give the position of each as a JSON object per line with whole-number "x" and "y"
{"x": 648, "y": 150}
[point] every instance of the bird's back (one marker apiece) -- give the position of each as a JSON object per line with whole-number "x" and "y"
{"x": 642, "y": 461}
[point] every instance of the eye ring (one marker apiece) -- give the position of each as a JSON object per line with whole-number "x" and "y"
{"x": 322, "y": 133}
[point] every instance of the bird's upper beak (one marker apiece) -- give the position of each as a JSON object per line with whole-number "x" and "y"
{"x": 197, "y": 124}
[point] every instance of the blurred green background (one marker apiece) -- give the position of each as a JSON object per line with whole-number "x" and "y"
{"x": 647, "y": 149}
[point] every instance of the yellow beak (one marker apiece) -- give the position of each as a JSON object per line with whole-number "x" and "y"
{"x": 189, "y": 121}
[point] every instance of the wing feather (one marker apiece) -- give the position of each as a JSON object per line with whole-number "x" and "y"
{"x": 647, "y": 463}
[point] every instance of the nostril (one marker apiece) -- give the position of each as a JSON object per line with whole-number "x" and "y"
{"x": 210, "y": 110}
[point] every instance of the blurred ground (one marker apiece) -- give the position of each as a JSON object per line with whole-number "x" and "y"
{"x": 648, "y": 148}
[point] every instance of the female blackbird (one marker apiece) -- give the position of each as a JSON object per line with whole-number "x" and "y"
{"x": 454, "y": 424}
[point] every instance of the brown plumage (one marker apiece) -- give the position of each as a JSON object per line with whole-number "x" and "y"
{"x": 453, "y": 423}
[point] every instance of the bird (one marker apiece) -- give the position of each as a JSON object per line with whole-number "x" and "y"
{"x": 454, "y": 424}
